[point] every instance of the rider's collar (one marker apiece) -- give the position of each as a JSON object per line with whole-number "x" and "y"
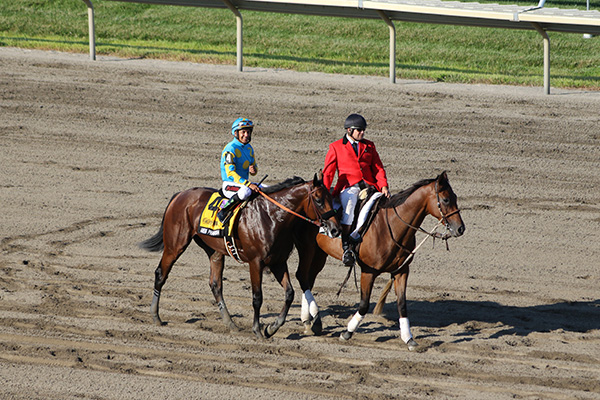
{"x": 348, "y": 138}
{"x": 242, "y": 144}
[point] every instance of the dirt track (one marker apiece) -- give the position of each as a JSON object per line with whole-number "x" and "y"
{"x": 92, "y": 151}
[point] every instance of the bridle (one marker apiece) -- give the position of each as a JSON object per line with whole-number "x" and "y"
{"x": 320, "y": 217}
{"x": 442, "y": 221}
{"x": 444, "y": 218}
{"x": 435, "y": 235}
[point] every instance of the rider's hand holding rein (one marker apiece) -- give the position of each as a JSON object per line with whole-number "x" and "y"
{"x": 385, "y": 191}
{"x": 253, "y": 170}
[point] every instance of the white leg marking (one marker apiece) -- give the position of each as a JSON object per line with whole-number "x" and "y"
{"x": 354, "y": 322}
{"x": 304, "y": 313}
{"x": 405, "y": 330}
{"x": 313, "y": 307}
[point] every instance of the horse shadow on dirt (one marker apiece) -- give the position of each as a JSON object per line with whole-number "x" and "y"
{"x": 579, "y": 316}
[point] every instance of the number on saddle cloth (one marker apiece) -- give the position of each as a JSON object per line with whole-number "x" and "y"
{"x": 209, "y": 223}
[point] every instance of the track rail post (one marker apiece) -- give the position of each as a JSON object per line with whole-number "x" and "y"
{"x": 390, "y": 24}
{"x": 546, "y": 56}
{"x": 91, "y": 28}
{"x": 239, "y": 35}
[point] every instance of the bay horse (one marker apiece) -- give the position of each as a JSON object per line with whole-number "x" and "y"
{"x": 263, "y": 236}
{"x": 386, "y": 247}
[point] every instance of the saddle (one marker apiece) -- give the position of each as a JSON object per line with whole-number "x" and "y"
{"x": 364, "y": 200}
{"x": 210, "y": 225}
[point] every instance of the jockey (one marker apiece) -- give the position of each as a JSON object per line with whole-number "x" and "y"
{"x": 237, "y": 163}
{"x": 358, "y": 165}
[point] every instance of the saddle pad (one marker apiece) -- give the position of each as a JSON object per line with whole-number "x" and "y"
{"x": 209, "y": 223}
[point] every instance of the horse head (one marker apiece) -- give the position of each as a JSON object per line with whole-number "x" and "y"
{"x": 443, "y": 206}
{"x": 322, "y": 207}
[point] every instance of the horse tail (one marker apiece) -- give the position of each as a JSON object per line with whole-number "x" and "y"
{"x": 155, "y": 243}
{"x": 379, "y": 306}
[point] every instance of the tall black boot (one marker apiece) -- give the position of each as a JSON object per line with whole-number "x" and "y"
{"x": 223, "y": 214}
{"x": 348, "y": 259}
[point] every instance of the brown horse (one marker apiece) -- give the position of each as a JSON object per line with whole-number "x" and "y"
{"x": 386, "y": 247}
{"x": 263, "y": 237}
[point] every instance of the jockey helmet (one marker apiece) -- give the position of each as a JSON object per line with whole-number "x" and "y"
{"x": 355, "y": 121}
{"x": 241, "y": 123}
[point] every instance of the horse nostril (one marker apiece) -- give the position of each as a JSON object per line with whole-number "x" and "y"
{"x": 461, "y": 229}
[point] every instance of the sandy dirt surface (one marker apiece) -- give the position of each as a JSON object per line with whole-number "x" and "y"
{"x": 91, "y": 152}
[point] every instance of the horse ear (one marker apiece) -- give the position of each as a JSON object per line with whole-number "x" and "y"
{"x": 443, "y": 177}
{"x": 318, "y": 179}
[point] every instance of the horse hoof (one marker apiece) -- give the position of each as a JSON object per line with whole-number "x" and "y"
{"x": 233, "y": 327}
{"x": 158, "y": 321}
{"x": 308, "y": 329}
{"x": 412, "y": 345}
{"x": 269, "y": 331}
{"x": 314, "y": 327}
{"x": 259, "y": 335}
{"x": 317, "y": 326}
{"x": 345, "y": 336}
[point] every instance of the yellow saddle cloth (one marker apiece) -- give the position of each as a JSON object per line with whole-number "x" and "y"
{"x": 210, "y": 224}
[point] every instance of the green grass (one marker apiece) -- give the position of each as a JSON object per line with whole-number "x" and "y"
{"x": 305, "y": 43}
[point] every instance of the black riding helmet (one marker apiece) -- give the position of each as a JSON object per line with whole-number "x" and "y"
{"x": 355, "y": 121}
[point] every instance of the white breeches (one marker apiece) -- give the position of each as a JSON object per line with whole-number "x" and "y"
{"x": 243, "y": 191}
{"x": 349, "y": 198}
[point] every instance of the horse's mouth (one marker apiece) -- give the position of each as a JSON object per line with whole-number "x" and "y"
{"x": 329, "y": 228}
{"x": 456, "y": 231}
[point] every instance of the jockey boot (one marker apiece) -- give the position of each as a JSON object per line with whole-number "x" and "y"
{"x": 348, "y": 258}
{"x": 224, "y": 212}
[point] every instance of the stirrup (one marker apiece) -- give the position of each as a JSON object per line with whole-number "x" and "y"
{"x": 348, "y": 259}
{"x": 223, "y": 216}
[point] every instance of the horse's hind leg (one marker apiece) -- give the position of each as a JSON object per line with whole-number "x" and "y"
{"x": 174, "y": 247}
{"x": 217, "y": 264}
{"x": 160, "y": 277}
{"x": 283, "y": 277}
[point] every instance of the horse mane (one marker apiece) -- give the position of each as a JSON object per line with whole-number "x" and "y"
{"x": 296, "y": 180}
{"x": 400, "y": 197}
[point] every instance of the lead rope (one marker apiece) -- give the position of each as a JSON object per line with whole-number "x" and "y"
{"x": 317, "y": 223}
{"x": 412, "y": 253}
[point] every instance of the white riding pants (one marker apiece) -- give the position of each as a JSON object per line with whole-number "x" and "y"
{"x": 243, "y": 191}
{"x": 349, "y": 199}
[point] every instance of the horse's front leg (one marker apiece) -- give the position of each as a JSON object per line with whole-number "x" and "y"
{"x": 217, "y": 264}
{"x": 366, "y": 286}
{"x": 400, "y": 282}
{"x": 312, "y": 261}
{"x": 283, "y": 277}
{"x": 310, "y": 316}
{"x": 256, "y": 272}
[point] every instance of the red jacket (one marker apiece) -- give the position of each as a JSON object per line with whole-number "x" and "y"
{"x": 352, "y": 169}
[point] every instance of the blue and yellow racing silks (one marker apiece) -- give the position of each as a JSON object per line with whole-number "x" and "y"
{"x": 235, "y": 161}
